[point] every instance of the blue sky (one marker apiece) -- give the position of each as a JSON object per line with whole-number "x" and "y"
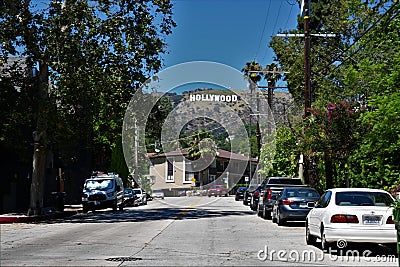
{"x": 230, "y": 32}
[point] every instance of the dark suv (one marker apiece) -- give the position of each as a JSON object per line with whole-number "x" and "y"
{"x": 272, "y": 187}
{"x": 248, "y": 193}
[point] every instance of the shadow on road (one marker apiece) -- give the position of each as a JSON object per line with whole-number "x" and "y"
{"x": 352, "y": 251}
{"x": 141, "y": 215}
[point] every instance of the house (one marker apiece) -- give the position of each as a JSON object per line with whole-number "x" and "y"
{"x": 174, "y": 173}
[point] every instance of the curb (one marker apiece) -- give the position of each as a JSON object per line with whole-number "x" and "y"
{"x": 8, "y": 219}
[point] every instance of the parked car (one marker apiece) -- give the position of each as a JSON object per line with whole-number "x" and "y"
{"x": 130, "y": 198}
{"x": 103, "y": 191}
{"x": 240, "y": 193}
{"x": 158, "y": 193}
{"x": 217, "y": 190}
{"x": 255, "y": 198}
{"x": 142, "y": 196}
{"x": 272, "y": 187}
{"x": 352, "y": 214}
{"x": 248, "y": 193}
{"x": 293, "y": 204}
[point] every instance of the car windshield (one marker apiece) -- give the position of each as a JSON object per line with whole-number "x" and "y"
{"x": 302, "y": 192}
{"x": 242, "y": 189}
{"x": 128, "y": 191}
{"x": 285, "y": 181}
{"x": 157, "y": 191}
{"x": 363, "y": 199}
{"x": 253, "y": 187}
{"x": 99, "y": 184}
{"x": 137, "y": 191}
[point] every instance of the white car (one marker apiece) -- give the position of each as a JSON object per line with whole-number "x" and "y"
{"x": 142, "y": 197}
{"x": 357, "y": 215}
{"x": 157, "y": 193}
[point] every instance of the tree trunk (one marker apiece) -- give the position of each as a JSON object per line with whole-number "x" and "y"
{"x": 39, "y": 136}
{"x": 328, "y": 170}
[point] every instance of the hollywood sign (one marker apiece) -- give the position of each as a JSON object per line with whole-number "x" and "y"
{"x": 216, "y": 98}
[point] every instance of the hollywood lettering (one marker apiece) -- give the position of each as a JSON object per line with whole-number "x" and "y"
{"x": 216, "y": 98}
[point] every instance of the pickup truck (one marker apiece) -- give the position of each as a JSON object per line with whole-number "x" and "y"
{"x": 272, "y": 187}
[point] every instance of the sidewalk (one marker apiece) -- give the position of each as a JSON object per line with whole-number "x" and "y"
{"x": 49, "y": 214}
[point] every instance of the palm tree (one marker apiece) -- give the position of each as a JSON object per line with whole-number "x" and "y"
{"x": 272, "y": 75}
{"x": 253, "y": 76}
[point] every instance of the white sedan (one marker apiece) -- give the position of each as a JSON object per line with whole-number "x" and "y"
{"x": 357, "y": 215}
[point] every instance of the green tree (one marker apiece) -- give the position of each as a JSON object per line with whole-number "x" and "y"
{"x": 329, "y": 133}
{"x": 94, "y": 54}
{"x": 359, "y": 66}
{"x": 279, "y": 157}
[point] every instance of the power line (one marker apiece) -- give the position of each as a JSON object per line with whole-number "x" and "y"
{"x": 263, "y": 31}
{"x": 290, "y": 13}
{"x": 277, "y": 16}
{"x": 356, "y": 41}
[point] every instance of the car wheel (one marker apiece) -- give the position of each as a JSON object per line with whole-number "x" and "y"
{"x": 273, "y": 216}
{"x": 121, "y": 206}
{"x": 279, "y": 220}
{"x": 325, "y": 246}
{"x": 115, "y": 205}
{"x": 310, "y": 239}
{"x": 267, "y": 214}
{"x": 85, "y": 208}
{"x": 258, "y": 211}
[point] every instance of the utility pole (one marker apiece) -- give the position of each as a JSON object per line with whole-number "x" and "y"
{"x": 307, "y": 59}
{"x": 136, "y": 171}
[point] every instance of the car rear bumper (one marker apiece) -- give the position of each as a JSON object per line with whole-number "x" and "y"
{"x": 299, "y": 214}
{"x": 361, "y": 235}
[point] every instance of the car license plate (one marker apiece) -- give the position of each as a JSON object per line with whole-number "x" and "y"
{"x": 303, "y": 205}
{"x": 372, "y": 219}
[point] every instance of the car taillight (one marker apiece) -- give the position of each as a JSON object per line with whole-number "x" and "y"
{"x": 256, "y": 194}
{"x": 390, "y": 220}
{"x": 269, "y": 194}
{"x": 287, "y": 201}
{"x": 344, "y": 218}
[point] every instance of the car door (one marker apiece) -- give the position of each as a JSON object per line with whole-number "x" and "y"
{"x": 316, "y": 214}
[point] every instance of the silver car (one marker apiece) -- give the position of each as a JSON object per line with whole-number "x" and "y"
{"x": 158, "y": 193}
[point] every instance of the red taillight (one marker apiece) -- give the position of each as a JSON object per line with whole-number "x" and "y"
{"x": 390, "y": 220}
{"x": 256, "y": 194}
{"x": 269, "y": 194}
{"x": 287, "y": 201}
{"x": 344, "y": 218}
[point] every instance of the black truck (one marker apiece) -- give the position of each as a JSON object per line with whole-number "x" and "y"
{"x": 272, "y": 187}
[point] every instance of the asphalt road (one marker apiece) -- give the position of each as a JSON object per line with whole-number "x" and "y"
{"x": 175, "y": 231}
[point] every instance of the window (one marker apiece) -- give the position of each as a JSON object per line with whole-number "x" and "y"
{"x": 363, "y": 199}
{"x": 211, "y": 178}
{"x": 323, "y": 202}
{"x": 170, "y": 172}
{"x": 188, "y": 177}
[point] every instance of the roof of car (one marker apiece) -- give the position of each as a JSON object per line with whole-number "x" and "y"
{"x": 356, "y": 189}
